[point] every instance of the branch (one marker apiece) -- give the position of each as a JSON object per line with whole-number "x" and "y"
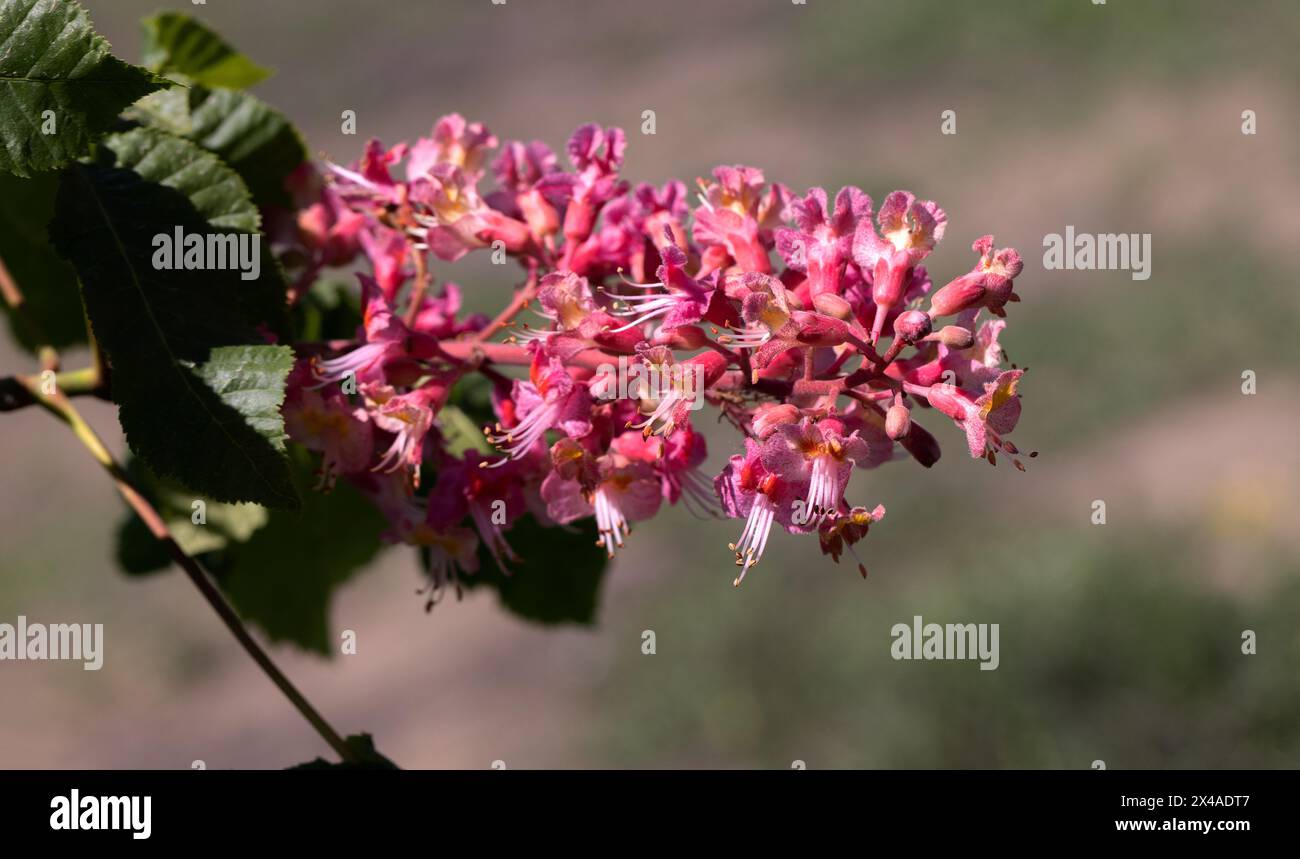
{"x": 16, "y": 391}
{"x": 62, "y": 408}
{"x": 522, "y": 297}
{"x": 420, "y": 287}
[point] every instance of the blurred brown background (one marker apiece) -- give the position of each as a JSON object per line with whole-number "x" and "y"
{"x": 1119, "y": 642}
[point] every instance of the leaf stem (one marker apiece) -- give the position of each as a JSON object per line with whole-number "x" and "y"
{"x": 522, "y": 297}
{"x": 62, "y": 408}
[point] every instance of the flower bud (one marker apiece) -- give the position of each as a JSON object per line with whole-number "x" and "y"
{"x": 950, "y": 400}
{"x": 954, "y": 337}
{"x": 816, "y": 329}
{"x": 912, "y": 325}
{"x": 966, "y": 291}
{"x": 898, "y": 420}
{"x": 770, "y": 416}
{"x": 832, "y": 305}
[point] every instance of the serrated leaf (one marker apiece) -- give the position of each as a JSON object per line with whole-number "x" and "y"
{"x": 198, "y": 392}
{"x": 178, "y": 44}
{"x": 559, "y": 578}
{"x": 51, "y": 59}
{"x": 284, "y": 577}
{"x": 252, "y": 137}
{"x": 49, "y": 284}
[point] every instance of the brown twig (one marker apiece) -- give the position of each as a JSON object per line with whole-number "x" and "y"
{"x": 61, "y": 407}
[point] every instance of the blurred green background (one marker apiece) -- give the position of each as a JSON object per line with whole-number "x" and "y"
{"x": 1119, "y": 642}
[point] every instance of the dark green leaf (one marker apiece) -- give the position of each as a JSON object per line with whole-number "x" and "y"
{"x": 472, "y": 394}
{"x": 249, "y": 135}
{"x": 559, "y": 579}
{"x": 52, "y": 60}
{"x": 138, "y": 552}
{"x": 282, "y": 579}
{"x": 48, "y": 283}
{"x": 176, "y": 43}
{"x": 199, "y": 399}
{"x": 361, "y": 745}
{"x": 330, "y": 310}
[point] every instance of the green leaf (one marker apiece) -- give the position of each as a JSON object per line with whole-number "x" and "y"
{"x": 176, "y": 43}
{"x": 461, "y": 432}
{"x": 361, "y": 745}
{"x": 330, "y": 310}
{"x": 559, "y": 579}
{"x": 49, "y": 284}
{"x": 472, "y": 394}
{"x": 198, "y": 397}
{"x": 139, "y": 552}
{"x": 252, "y": 137}
{"x": 283, "y": 578}
{"x": 51, "y": 59}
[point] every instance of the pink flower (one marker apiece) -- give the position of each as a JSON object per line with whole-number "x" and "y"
{"x": 987, "y": 417}
{"x": 597, "y": 156}
{"x": 669, "y": 390}
{"x": 817, "y": 456}
{"x": 450, "y": 549}
{"x": 989, "y": 284}
{"x": 370, "y": 179}
{"x": 689, "y": 300}
{"x": 840, "y": 533}
{"x": 909, "y": 230}
{"x": 551, "y": 400}
{"x": 746, "y": 488}
{"x": 683, "y": 452}
{"x": 453, "y": 141}
{"x": 385, "y": 339}
{"x": 328, "y": 423}
{"x": 437, "y": 315}
{"x": 823, "y": 243}
{"x": 565, "y": 299}
{"x": 684, "y": 300}
{"x": 455, "y": 220}
{"x": 979, "y": 363}
{"x": 492, "y": 498}
{"x": 330, "y": 229}
{"x": 408, "y": 417}
{"x": 520, "y": 169}
{"x": 388, "y": 252}
{"x": 625, "y": 492}
{"x": 773, "y": 327}
{"x": 736, "y": 218}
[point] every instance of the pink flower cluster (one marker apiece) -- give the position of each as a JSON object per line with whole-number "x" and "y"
{"x": 811, "y": 324}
